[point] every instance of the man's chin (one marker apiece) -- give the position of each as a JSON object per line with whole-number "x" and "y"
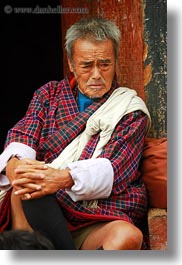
{"x": 96, "y": 95}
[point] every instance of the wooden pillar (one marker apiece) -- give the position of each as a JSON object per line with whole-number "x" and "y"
{"x": 128, "y": 15}
{"x": 155, "y": 37}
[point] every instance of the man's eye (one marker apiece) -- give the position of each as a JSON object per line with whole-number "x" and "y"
{"x": 104, "y": 65}
{"x": 86, "y": 66}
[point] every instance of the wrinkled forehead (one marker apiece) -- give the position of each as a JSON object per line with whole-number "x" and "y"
{"x": 93, "y": 48}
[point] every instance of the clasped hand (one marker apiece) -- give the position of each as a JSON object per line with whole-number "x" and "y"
{"x": 34, "y": 179}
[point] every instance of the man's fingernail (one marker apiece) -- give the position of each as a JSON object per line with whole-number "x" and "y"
{"x": 27, "y": 196}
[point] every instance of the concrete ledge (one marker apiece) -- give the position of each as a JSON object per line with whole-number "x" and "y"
{"x": 157, "y": 223}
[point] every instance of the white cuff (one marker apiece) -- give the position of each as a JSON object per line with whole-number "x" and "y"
{"x": 4, "y": 182}
{"x": 93, "y": 179}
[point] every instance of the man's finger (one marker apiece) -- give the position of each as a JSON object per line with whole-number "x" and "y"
{"x": 29, "y": 175}
{"x": 27, "y": 168}
{"x": 33, "y": 195}
{"x": 27, "y": 189}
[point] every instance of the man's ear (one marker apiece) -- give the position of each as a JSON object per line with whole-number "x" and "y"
{"x": 70, "y": 64}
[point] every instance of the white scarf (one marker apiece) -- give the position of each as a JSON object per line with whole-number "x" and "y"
{"x": 104, "y": 120}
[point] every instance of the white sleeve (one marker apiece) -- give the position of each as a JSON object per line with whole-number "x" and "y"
{"x": 93, "y": 179}
{"x": 22, "y": 150}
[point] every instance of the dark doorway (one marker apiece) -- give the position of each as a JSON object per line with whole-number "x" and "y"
{"x": 30, "y": 57}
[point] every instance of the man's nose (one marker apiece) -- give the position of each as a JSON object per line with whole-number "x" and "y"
{"x": 96, "y": 72}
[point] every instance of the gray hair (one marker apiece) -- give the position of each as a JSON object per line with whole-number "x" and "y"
{"x": 97, "y": 29}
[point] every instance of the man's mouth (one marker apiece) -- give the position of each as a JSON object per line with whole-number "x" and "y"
{"x": 95, "y": 86}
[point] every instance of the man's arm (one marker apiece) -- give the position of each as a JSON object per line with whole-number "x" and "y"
{"x": 122, "y": 153}
{"x": 116, "y": 167}
{"x": 125, "y": 148}
{"x": 23, "y": 138}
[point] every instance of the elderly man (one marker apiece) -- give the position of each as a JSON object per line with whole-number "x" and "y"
{"x": 89, "y": 132}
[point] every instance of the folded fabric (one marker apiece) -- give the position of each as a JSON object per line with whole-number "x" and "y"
{"x": 5, "y": 211}
{"x": 121, "y": 102}
{"x": 2, "y": 195}
{"x": 154, "y": 171}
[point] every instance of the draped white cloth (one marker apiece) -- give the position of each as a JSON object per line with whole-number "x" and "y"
{"x": 122, "y": 101}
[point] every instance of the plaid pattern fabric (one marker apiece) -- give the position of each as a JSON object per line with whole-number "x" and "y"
{"x": 128, "y": 200}
{"x": 52, "y": 121}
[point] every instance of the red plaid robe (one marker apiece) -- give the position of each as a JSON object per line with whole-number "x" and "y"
{"x": 53, "y": 120}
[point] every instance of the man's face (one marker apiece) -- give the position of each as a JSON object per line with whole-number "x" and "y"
{"x": 93, "y": 65}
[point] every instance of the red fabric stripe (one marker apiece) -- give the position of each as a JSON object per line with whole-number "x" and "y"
{"x": 5, "y": 211}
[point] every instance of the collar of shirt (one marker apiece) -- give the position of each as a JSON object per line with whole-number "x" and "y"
{"x": 83, "y": 101}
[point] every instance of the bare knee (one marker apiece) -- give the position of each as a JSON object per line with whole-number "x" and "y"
{"x": 123, "y": 236}
{"x": 132, "y": 239}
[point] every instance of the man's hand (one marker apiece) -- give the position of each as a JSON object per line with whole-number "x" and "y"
{"x": 15, "y": 163}
{"x": 35, "y": 181}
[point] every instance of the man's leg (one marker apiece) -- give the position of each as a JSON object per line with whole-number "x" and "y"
{"x": 115, "y": 235}
{"x": 45, "y": 215}
{"x": 18, "y": 219}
